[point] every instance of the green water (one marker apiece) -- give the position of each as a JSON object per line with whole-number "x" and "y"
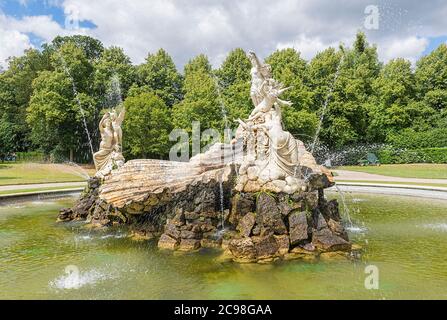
{"x": 406, "y": 238}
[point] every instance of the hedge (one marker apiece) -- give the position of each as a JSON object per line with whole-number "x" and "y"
{"x": 31, "y": 156}
{"x": 426, "y": 155}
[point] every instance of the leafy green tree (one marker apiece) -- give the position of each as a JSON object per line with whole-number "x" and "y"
{"x": 291, "y": 70}
{"x": 346, "y": 117}
{"x": 160, "y": 74}
{"x": 234, "y": 81}
{"x": 199, "y": 63}
{"x": 9, "y": 124}
{"x": 113, "y": 66}
{"x": 147, "y": 125}
{"x": 201, "y": 101}
{"x": 321, "y": 73}
{"x": 73, "y": 61}
{"x": 15, "y": 92}
{"x": 91, "y": 47}
{"x": 431, "y": 78}
{"x": 392, "y": 106}
{"x": 63, "y": 105}
{"x": 235, "y": 68}
{"x": 54, "y": 115}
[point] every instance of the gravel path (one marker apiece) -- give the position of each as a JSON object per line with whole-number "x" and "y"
{"x": 363, "y": 176}
{"x": 42, "y": 185}
{"x": 397, "y": 191}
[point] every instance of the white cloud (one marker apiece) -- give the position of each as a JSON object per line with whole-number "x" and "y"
{"x": 15, "y": 33}
{"x": 410, "y": 48}
{"x": 308, "y": 47}
{"x": 42, "y": 26}
{"x": 13, "y": 43}
{"x": 186, "y": 28}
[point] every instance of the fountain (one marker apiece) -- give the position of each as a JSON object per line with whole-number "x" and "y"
{"x": 267, "y": 203}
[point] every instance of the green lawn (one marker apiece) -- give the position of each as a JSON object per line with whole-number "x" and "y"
{"x": 30, "y": 190}
{"x": 423, "y": 171}
{"x": 28, "y": 173}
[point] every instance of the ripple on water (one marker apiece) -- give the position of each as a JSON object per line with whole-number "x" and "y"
{"x": 74, "y": 279}
{"x": 88, "y": 237}
{"x": 356, "y": 229}
{"x": 436, "y": 226}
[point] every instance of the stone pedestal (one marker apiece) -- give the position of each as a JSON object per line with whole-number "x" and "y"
{"x": 204, "y": 210}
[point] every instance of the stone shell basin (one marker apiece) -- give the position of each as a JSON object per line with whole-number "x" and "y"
{"x": 138, "y": 178}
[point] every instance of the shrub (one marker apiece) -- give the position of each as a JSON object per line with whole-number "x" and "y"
{"x": 425, "y": 155}
{"x": 411, "y": 139}
{"x": 30, "y": 156}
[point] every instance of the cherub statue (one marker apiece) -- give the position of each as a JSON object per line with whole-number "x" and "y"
{"x": 271, "y": 92}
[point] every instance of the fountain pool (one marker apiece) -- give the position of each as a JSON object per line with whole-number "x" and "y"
{"x": 406, "y": 239}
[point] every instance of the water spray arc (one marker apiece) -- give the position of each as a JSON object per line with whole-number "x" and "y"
{"x": 76, "y": 96}
{"x": 325, "y": 105}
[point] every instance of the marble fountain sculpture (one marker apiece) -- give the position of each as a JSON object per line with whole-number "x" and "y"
{"x": 267, "y": 203}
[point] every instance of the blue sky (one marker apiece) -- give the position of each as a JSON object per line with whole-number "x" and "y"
{"x": 406, "y": 29}
{"x": 434, "y": 42}
{"x": 20, "y": 9}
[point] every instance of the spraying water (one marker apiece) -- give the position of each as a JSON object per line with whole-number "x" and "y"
{"x": 75, "y": 169}
{"x": 325, "y": 104}
{"x": 75, "y": 92}
{"x": 346, "y": 212}
{"x": 222, "y": 211}
{"x": 114, "y": 95}
{"x": 223, "y": 109}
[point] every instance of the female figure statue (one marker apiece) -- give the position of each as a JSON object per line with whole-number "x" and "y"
{"x": 106, "y": 146}
{"x": 283, "y": 149}
{"x": 110, "y": 148}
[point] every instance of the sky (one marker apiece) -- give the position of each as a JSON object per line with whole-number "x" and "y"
{"x": 185, "y": 28}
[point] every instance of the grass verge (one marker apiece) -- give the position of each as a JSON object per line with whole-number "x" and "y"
{"x": 30, "y": 173}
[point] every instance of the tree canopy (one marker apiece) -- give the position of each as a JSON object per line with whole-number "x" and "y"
{"x": 50, "y": 98}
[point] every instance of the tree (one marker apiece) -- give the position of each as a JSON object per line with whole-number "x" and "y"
{"x": 91, "y": 47}
{"x": 321, "y": 73}
{"x": 291, "y": 70}
{"x": 234, "y": 82}
{"x": 147, "y": 125}
{"x": 8, "y": 122}
{"x": 160, "y": 74}
{"x": 63, "y": 105}
{"x": 346, "y": 117}
{"x": 55, "y": 117}
{"x": 201, "y": 101}
{"x": 113, "y": 66}
{"x": 392, "y": 105}
{"x": 431, "y": 78}
{"x": 15, "y": 92}
{"x": 235, "y": 68}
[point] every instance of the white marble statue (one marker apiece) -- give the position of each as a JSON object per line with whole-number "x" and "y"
{"x": 272, "y": 155}
{"x": 110, "y": 155}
